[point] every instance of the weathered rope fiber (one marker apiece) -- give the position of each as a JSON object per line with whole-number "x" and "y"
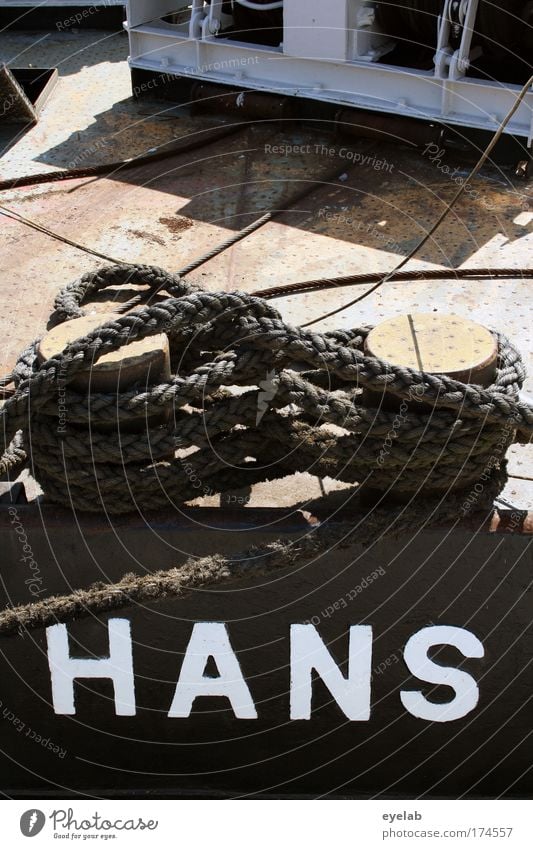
{"x": 301, "y": 406}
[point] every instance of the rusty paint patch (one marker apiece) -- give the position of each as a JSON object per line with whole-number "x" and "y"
{"x": 176, "y": 225}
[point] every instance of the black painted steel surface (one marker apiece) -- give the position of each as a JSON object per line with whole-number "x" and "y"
{"x": 466, "y": 578}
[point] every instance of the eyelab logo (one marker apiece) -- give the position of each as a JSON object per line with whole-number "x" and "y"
{"x": 32, "y": 822}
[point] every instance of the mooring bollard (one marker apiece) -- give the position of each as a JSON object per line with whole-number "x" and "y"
{"x": 438, "y": 344}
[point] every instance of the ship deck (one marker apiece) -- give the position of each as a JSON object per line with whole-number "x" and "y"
{"x": 366, "y": 217}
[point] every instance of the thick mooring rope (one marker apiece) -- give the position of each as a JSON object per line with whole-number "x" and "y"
{"x": 252, "y": 399}
{"x": 307, "y": 385}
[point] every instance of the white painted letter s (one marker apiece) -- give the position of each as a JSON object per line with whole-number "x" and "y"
{"x": 420, "y": 665}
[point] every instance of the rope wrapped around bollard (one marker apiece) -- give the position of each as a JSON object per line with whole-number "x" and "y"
{"x": 307, "y": 386}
